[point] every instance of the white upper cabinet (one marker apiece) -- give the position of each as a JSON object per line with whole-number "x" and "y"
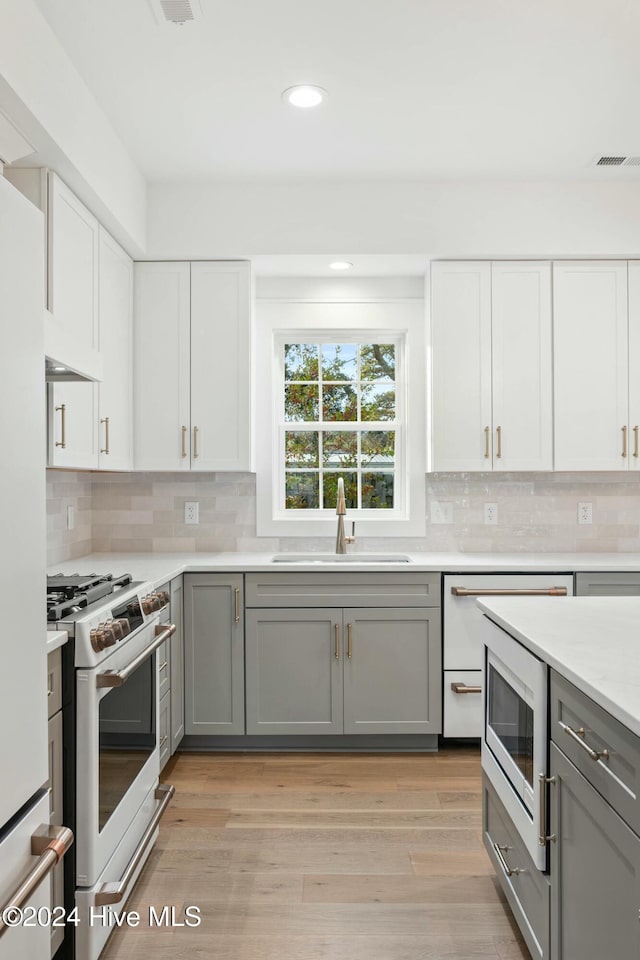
{"x": 192, "y": 350}
{"x": 634, "y": 364}
{"x": 73, "y": 425}
{"x": 521, "y": 366}
{"x": 591, "y": 366}
{"x": 220, "y": 366}
{"x": 72, "y": 332}
{"x": 161, "y": 336}
{"x": 461, "y": 365}
{"x": 492, "y": 379}
{"x": 115, "y": 393}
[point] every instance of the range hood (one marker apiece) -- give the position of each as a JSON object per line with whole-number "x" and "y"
{"x": 55, "y": 372}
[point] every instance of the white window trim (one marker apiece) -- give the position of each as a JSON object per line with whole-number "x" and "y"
{"x": 383, "y": 321}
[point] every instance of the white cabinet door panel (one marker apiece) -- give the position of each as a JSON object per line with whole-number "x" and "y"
{"x": 220, "y": 366}
{"x": 634, "y": 364}
{"x": 591, "y": 377}
{"x": 73, "y": 421}
{"x": 161, "y": 366}
{"x": 461, "y": 339}
{"x": 522, "y": 373}
{"x": 115, "y": 390}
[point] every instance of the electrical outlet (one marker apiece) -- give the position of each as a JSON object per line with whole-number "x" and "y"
{"x": 192, "y": 512}
{"x": 491, "y": 513}
{"x": 71, "y": 518}
{"x": 585, "y": 513}
{"x": 442, "y": 512}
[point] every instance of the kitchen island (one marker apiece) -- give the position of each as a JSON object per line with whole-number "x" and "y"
{"x": 587, "y": 905}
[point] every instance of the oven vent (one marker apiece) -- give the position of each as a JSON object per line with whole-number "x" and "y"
{"x": 177, "y": 12}
{"x": 613, "y": 161}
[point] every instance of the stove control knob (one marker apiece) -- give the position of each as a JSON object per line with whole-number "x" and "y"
{"x": 96, "y": 637}
{"x": 147, "y": 605}
{"x": 125, "y": 626}
{"x": 164, "y": 597}
{"x": 109, "y": 634}
{"x": 156, "y": 601}
{"x": 116, "y": 626}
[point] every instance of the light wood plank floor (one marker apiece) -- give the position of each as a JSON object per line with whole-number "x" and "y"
{"x": 323, "y": 857}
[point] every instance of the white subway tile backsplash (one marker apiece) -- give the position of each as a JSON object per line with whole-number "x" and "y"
{"x": 145, "y": 512}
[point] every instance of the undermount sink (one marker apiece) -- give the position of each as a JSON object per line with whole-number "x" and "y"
{"x": 340, "y": 558}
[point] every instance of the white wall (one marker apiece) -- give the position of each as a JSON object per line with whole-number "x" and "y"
{"x": 447, "y": 219}
{"x": 43, "y": 93}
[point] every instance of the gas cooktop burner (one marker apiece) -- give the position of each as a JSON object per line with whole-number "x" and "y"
{"x": 69, "y": 593}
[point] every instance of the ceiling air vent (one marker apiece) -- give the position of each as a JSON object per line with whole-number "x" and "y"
{"x": 177, "y": 12}
{"x": 610, "y": 161}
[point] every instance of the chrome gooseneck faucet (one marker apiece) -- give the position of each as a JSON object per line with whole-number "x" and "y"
{"x": 341, "y": 510}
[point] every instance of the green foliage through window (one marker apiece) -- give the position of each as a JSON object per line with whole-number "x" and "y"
{"x": 340, "y": 414}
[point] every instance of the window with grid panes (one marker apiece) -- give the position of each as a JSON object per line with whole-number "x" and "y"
{"x": 340, "y": 418}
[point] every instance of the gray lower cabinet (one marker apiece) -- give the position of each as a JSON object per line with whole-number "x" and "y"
{"x": 164, "y": 727}
{"x": 214, "y": 654}
{"x": 177, "y": 665}
{"x": 332, "y": 670}
{"x": 608, "y": 584}
{"x": 56, "y": 789}
{"x": 595, "y": 872}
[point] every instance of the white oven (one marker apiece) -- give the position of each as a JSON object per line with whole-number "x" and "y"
{"x": 514, "y": 740}
{"x": 119, "y": 801}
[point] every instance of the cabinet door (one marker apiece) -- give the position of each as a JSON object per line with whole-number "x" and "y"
{"x": 608, "y": 584}
{"x": 161, "y": 366}
{"x": 214, "y": 654}
{"x": 220, "y": 366}
{"x": 164, "y": 730}
{"x": 521, "y": 355}
{"x": 634, "y": 364}
{"x": 73, "y": 425}
{"x": 591, "y": 377}
{"x": 294, "y": 671}
{"x": 177, "y": 665}
{"x": 392, "y": 671}
{"x": 116, "y": 329}
{"x": 595, "y": 872}
{"x": 461, "y": 346}
{"x": 74, "y": 337}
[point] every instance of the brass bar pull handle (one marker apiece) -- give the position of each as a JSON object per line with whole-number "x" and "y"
{"x": 636, "y": 452}
{"x": 62, "y": 442}
{"x": 50, "y": 847}
{"x": 465, "y": 688}
{"x": 163, "y": 666}
{"x": 106, "y": 436}
{"x": 163, "y": 740}
{"x": 486, "y": 442}
{"x": 509, "y": 871}
{"x": 115, "y": 892}
{"x": 543, "y": 837}
{"x": 336, "y": 630}
{"x": 624, "y": 441}
{"x": 499, "y": 432}
{"x": 183, "y": 430}
{"x": 115, "y": 678}
{"x": 578, "y": 737}
{"x": 506, "y": 592}
{"x": 349, "y": 640}
{"x": 236, "y": 604}
{"x": 195, "y": 443}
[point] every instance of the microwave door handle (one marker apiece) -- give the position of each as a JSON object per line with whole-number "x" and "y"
{"x": 115, "y": 678}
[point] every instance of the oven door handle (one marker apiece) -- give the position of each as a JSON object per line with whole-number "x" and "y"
{"x": 115, "y": 678}
{"x": 115, "y": 892}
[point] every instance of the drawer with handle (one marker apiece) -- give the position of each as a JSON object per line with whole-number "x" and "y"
{"x": 525, "y": 887}
{"x": 462, "y": 699}
{"x": 604, "y": 751}
{"x": 54, "y": 682}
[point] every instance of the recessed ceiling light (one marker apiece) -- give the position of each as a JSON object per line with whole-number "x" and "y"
{"x": 303, "y": 95}
{"x": 59, "y": 369}
{"x": 341, "y": 265}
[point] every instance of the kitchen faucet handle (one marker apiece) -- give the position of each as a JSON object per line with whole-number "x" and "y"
{"x": 352, "y": 538}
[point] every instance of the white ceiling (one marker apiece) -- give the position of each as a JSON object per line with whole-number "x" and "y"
{"x": 418, "y": 89}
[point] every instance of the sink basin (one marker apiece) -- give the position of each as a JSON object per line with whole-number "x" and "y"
{"x": 340, "y": 558}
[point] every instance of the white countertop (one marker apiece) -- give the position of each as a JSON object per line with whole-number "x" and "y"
{"x": 160, "y": 567}
{"x": 55, "y": 639}
{"x": 592, "y": 641}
